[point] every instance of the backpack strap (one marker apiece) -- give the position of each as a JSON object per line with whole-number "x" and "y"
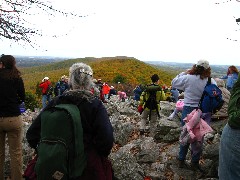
{"x": 208, "y": 83}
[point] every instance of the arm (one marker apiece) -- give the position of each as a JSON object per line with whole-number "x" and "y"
{"x": 21, "y": 90}
{"x": 224, "y": 77}
{"x": 179, "y": 81}
{"x": 33, "y": 133}
{"x": 104, "y": 132}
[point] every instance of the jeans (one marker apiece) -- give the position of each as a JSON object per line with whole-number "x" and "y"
{"x": 229, "y": 153}
{"x": 12, "y": 127}
{"x": 45, "y": 100}
{"x": 196, "y": 147}
{"x": 186, "y": 110}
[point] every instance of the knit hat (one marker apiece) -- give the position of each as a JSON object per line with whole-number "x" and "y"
{"x": 203, "y": 63}
{"x": 80, "y": 76}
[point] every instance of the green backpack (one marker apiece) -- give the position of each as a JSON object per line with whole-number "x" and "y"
{"x": 234, "y": 105}
{"x": 60, "y": 151}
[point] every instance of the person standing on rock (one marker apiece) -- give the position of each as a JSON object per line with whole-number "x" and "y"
{"x": 97, "y": 129}
{"x": 149, "y": 104}
{"x": 192, "y": 82}
{"x": 229, "y": 151}
{"x": 12, "y": 94}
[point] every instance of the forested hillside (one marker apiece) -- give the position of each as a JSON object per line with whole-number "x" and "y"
{"x": 128, "y": 71}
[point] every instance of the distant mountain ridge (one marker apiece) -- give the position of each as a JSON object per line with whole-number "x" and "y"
{"x": 128, "y": 71}
{"x": 131, "y": 70}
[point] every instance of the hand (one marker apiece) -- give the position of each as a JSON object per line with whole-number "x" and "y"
{"x": 140, "y": 109}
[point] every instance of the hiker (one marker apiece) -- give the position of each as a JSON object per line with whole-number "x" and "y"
{"x": 192, "y": 82}
{"x": 232, "y": 75}
{"x": 99, "y": 85}
{"x": 178, "y": 108}
{"x": 122, "y": 96}
{"x": 137, "y": 92}
{"x": 105, "y": 90}
{"x": 112, "y": 91}
{"x": 229, "y": 143}
{"x": 222, "y": 113}
{"x": 12, "y": 94}
{"x": 147, "y": 113}
{"x": 174, "y": 94}
{"x": 61, "y": 86}
{"x": 97, "y": 129}
{"x": 45, "y": 85}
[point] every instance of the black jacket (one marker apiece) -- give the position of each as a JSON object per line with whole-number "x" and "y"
{"x": 97, "y": 129}
{"x": 12, "y": 94}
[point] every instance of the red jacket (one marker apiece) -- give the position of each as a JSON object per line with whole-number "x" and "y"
{"x": 44, "y": 85}
{"x": 105, "y": 89}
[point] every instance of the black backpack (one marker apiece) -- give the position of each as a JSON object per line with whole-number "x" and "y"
{"x": 49, "y": 90}
{"x": 151, "y": 103}
{"x": 61, "y": 150}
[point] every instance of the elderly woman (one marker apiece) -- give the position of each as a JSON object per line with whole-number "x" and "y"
{"x": 97, "y": 129}
{"x": 222, "y": 113}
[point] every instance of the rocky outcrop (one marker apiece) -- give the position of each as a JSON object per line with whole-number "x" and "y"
{"x": 154, "y": 154}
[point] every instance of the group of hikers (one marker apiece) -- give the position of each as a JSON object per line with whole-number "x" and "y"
{"x": 72, "y": 136}
{"x": 100, "y": 89}
{"x": 196, "y": 114}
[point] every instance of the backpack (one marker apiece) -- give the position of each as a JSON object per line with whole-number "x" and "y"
{"x": 234, "y": 105}
{"x": 59, "y": 88}
{"x": 49, "y": 90}
{"x": 61, "y": 150}
{"x": 151, "y": 103}
{"x": 211, "y": 100}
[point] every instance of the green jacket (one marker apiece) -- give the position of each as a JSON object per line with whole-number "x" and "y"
{"x": 160, "y": 96}
{"x": 234, "y": 106}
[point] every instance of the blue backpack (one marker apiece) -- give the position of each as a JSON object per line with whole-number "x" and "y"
{"x": 211, "y": 100}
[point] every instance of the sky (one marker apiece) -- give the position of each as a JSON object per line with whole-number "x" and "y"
{"x": 149, "y": 30}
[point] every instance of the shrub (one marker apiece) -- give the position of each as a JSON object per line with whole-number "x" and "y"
{"x": 119, "y": 78}
{"x": 31, "y": 101}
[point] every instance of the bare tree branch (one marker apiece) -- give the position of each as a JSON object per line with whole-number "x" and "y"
{"x": 13, "y": 23}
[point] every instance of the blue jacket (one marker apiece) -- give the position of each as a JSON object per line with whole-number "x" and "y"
{"x": 231, "y": 79}
{"x": 137, "y": 93}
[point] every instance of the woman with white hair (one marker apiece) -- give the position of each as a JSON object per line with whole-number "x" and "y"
{"x": 97, "y": 129}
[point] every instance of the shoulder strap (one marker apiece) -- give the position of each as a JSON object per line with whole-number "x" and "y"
{"x": 209, "y": 80}
{"x": 208, "y": 83}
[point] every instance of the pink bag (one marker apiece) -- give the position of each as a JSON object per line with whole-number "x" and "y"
{"x": 179, "y": 105}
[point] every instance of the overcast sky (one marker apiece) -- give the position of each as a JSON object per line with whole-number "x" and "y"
{"x": 149, "y": 30}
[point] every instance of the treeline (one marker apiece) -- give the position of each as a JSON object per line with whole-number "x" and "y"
{"x": 129, "y": 71}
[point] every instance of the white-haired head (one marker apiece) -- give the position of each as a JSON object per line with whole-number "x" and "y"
{"x": 80, "y": 76}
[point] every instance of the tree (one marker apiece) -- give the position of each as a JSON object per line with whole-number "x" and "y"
{"x": 14, "y": 14}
